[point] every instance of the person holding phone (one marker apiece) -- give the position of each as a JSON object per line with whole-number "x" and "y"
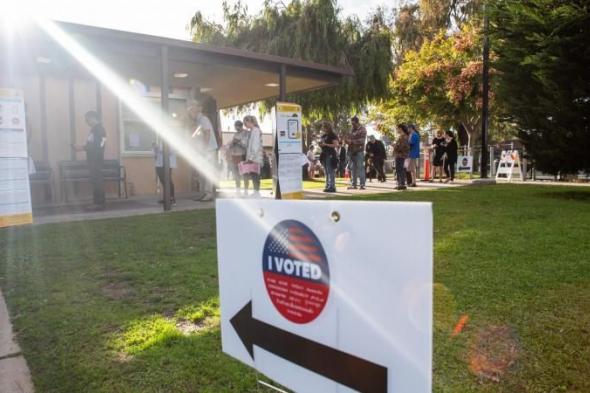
{"x": 329, "y": 157}
{"x": 94, "y": 147}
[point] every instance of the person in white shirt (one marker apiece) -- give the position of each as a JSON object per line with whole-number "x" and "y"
{"x": 159, "y": 158}
{"x": 254, "y": 152}
{"x": 203, "y": 134}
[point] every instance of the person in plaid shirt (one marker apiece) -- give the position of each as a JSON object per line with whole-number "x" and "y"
{"x": 356, "y": 149}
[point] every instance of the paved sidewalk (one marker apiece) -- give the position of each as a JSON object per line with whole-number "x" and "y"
{"x": 15, "y": 376}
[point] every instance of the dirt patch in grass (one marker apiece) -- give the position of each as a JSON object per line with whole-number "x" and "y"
{"x": 117, "y": 290}
{"x": 494, "y": 351}
{"x": 188, "y": 327}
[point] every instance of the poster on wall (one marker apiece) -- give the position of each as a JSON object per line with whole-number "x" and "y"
{"x": 13, "y": 132}
{"x": 15, "y": 193}
{"x": 288, "y": 133}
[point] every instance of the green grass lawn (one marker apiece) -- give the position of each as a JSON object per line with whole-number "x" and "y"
{"x": 130, "y": 305}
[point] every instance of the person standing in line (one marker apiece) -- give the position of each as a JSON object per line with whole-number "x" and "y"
{"x": 204, "y": 134}
{"x": 254, "y": 155}
{"x": 311, "y": 162}
{"x": 451, "y": 159}
{"x": 401, "y": 152}
{"x": 94, "y": 147}
{"x": 356, "y": 148}
{"x": 329, "y": 157}
{"x": 414, "y": 153}
{"x": 342, "y": 162}
{"x": 237, "y": 153}
{"x": 376, "y": 152}
{"x": 159, "y": 158}
{"x": 438, "y": 145}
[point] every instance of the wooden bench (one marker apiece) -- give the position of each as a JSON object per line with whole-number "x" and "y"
{"x": 78, "y": 171}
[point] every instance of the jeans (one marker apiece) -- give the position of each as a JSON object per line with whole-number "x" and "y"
{"x": 97, "y": 180}
{"x": 160, "y": 173}
{"x": 379, "y": 163}
{"x": 255, "y": 180}
{"x": 400, "y": 171}
{"x": 358, "y": 168}
{"x": 450, "y": 169}
{"x": 330, "y": 170}
{"x": 413, "y": 169}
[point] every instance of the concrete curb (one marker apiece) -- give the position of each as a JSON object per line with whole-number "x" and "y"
{"x": 15, "y": 376}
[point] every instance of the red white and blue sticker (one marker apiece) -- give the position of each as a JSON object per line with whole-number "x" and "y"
{"x": 296, "y": 272}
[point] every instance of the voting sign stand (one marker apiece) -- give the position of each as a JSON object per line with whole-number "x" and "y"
{"x": 312, "y": 302}
{"x": 509, "y": 166}
{"x": 15, "y": 192}
{"x": 287, "y": 136}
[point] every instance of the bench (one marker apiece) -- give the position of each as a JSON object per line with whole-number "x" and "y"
{"x": 42, "y": 177}
{"x": 78, "y": 171}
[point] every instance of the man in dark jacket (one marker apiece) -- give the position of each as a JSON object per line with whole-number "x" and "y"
{"x": 94, "y": 148}
{"x": 376, "y": 152}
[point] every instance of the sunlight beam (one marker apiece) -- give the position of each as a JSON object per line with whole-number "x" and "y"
{"x": 152, "y": 117}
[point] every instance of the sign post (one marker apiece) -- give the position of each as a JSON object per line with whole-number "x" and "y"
{"x": 288, "y": 133}
{"x": 316, "y": 305}
{"x": 15, "y": 193}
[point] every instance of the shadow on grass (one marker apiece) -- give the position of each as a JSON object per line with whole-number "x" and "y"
{"x": 580, "y": 196}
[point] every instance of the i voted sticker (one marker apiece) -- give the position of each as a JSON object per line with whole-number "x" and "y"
{"x": 296, "y": 271}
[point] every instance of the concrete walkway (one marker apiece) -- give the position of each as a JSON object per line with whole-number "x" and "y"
{"x": 15, "y": 376}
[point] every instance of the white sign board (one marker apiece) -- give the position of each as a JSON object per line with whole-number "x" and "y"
{"x": 288, "y": 132}
{"x": 509, "y": 166}
{"x": 15, "y": 194}
{"x": 465, "y": 164}
{"x": 13, "y": 134}
{"x": 313, "y": 302}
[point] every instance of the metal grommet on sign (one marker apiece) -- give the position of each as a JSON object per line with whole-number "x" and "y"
{"x": 335, "y": 216}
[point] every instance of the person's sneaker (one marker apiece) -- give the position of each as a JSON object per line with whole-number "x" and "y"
{"x": 363, "y": 188}
{"x": 207, "y": 197}
{"x": 351, "y": 188}
{"x": 332, "y": 190}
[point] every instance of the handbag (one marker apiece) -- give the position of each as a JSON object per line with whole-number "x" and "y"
{"x": 248, "y": 167}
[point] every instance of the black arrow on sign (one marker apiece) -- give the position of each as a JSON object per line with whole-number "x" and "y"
{"x": 341, "y": 367}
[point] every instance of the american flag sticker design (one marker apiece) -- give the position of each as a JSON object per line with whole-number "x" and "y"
{"x": 296, "y": 272}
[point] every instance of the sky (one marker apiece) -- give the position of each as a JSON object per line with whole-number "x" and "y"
{"x": 166, "y": 18}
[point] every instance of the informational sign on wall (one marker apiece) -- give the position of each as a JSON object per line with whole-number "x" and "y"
{"x": 465, "y": 164}
{"x": 288, "y": 133}
{"x": 316, "y": 305}
{"x": 13, "y": 131}
{"x": 15, "y": 194}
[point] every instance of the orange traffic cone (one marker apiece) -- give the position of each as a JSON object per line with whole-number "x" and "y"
{"x": 427, "y": 166}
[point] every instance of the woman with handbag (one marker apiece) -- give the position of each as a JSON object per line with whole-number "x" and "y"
{"x": 254, "y": 157}
{"x": 237, "y": 151}
{"x": 329, "y": 157}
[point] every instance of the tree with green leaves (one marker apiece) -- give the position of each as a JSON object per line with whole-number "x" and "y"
{"x": 439, "y": 84}
{"x": 311, "y": 30}
{"x": 543, "y": 59}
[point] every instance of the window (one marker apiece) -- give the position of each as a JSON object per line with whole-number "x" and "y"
{"x": 137, "y": 138}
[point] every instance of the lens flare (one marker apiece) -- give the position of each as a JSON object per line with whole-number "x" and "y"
{"x": 155, "y": 118}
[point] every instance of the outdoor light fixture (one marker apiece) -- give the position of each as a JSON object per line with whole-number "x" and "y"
{"x": 180, "y": 75}
{"x": 272, "y": 85}
{"x": 43, "y": 60}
